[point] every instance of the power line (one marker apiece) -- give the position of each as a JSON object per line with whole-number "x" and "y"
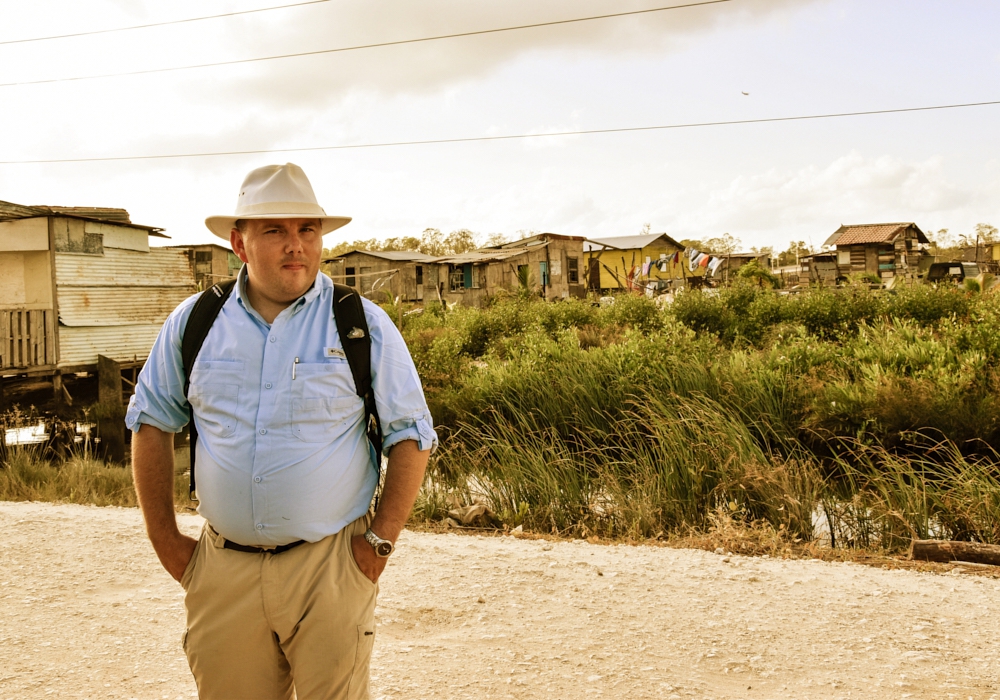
{"x": 506, "y": 137}
{"x": 160, "y": 24}
{"x": 364, "y": 46}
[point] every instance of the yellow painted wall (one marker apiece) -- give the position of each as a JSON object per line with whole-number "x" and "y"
{"x": 637, "y": 256}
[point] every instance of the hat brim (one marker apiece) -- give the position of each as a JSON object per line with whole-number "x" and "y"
{"x": 221, "y": 226}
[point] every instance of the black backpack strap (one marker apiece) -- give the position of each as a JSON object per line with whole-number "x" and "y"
{"x": 349, "y": 313}
{"x": 200, "y": 321}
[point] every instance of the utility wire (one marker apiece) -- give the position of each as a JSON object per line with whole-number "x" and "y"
{"x": 364, "y": 46}
{"x": 507, "y": 137}
{"x": 160, "y": 24}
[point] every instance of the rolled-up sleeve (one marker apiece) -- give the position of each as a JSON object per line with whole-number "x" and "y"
{"x": 159, "y": 398}
{"x": 399, "y": 397}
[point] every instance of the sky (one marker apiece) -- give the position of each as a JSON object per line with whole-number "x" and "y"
{"x": 766, "y": 184}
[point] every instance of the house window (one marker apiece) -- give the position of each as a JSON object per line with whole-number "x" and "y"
{"x": 456, "y": 278}
{"x": 543, "y": 268}
{"x": 420, "y": 274}
{"x": 349, "y": 280}
{"x": 467, "y": 276}
{"x": 844, "y": 257}
{"x": 573, "y": 270}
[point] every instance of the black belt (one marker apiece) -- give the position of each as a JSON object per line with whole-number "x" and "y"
{"x": 261, "y": 550}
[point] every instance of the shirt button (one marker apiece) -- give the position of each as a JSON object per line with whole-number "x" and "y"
{"x": 268, "y": 385}
{"x": 272, "y": 338}
{"x": 259, "y": 526}
{"x": 263, "y": 431}
{"x": 256, "y": 480}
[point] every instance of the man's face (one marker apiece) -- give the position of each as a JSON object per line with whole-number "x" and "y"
{"x": 282, "y": 256}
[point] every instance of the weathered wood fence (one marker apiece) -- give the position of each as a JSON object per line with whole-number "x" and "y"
{"x": 27, "y": 338}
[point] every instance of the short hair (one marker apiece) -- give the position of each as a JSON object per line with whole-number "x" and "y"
{"x": 241, "y": 225}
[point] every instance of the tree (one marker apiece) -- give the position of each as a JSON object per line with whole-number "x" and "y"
{"x": 496, "y": 239}
{"x": 723, "y": 245}
{"x": 461, "y": 241}
{"x": 796, "y": 249}
{"x": 986, "y": 233}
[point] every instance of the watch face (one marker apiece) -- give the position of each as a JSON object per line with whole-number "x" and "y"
{"x": 384, "y": 549}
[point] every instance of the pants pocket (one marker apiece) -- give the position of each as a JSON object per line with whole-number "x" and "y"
{"x": 358, "y": 689}
{"x": 189, "y": 569}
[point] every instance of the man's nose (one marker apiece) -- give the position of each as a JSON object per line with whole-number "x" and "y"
{"x": 293, "y": 243}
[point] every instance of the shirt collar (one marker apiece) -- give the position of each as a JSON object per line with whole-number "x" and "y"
{"x": 321, "y": 282}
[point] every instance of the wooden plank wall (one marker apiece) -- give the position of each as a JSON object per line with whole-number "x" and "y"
{"x": 27, "y": 338}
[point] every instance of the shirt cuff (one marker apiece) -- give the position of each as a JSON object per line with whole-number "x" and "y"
{"x": 133, "y": 421}
{"x": 417, "y": 429}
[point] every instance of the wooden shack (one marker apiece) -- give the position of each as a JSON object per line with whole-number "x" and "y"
{"x": 77, "y": 283}
{"x": 884, "y": 250}
{"x": 612, "y": 262}
{"x": 385, "y": 275}
{"x": 553, "y": 261}
{"x": 211, "y": 263}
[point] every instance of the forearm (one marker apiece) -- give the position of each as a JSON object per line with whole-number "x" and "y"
{"x": 404, "y": 475}
{"x": 153, "y": 475}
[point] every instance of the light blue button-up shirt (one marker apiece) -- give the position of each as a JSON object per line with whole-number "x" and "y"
{"x": 282, "y": 453}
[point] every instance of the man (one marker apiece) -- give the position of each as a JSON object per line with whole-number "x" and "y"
{"x": 281, "y": 586}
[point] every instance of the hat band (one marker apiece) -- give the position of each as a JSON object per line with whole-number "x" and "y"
{"x": 270, "y": 208}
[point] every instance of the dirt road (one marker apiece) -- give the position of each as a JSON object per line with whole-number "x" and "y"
{"x": 86, "y": 612}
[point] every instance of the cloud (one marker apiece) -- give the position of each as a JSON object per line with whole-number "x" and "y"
{"x": 416, "y": 68}
{"x": 851, "y": 189}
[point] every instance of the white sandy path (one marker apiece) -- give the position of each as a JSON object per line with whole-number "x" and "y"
{"x": 86, "y": 612}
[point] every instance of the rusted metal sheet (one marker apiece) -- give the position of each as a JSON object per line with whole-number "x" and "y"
{"x": 81, "y": 346}
{"x": 115, "y": 306}
{"x": 26, "y": 338}
{"x": 160, "y": 267}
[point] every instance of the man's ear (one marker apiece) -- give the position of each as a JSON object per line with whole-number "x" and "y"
{"x": 236, "y": 241}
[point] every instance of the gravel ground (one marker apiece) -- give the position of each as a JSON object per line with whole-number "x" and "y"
{"x": 86, "y": 612}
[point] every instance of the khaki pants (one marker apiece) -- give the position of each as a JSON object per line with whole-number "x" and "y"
{"x": 276, "y": 626}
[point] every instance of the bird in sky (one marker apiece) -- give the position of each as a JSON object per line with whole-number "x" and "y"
{"x": 746, "y": 93}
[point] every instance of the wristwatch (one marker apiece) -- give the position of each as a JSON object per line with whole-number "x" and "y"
{"x": 383, "y": 548}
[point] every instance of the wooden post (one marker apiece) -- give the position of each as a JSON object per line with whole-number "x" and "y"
{"x": 109, "y": 413}
{"x": 109, "y": 380}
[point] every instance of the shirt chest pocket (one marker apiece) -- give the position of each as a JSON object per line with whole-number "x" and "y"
{"x": 215, "y": 396}
{"x": 324, "y": 404}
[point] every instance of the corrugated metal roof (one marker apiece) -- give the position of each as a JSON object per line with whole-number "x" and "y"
{"x": 857, "y": 234}
{"x": 115, "y": 306}
{"x": 394, "y": 255}
{"x": 81, "y": 346}
{"x": 629, "y": 242}
{"x": 487, "y": 255}
{"x": 10, "y": 211}
{"x": 537, "y": 239}
{"x": 160, "y": 267}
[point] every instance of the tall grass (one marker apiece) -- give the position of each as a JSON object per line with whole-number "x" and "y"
{"x": 27, "y": 473}
{"x": 736, "y": 408}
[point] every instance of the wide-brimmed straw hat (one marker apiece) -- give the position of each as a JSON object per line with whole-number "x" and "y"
{"x": 275, "y": 192}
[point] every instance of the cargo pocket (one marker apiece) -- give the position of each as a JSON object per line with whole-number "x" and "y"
{"x": 324, "y": 404}
{"x": 215, "y": 396}
{"x": 358, "y": 687}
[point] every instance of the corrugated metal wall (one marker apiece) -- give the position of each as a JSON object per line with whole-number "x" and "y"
{"x": 114, "y": 304}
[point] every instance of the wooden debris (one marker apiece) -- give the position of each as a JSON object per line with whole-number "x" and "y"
{"x": 948, "y": 551}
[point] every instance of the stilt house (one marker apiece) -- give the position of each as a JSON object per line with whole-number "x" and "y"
{"x": 76, "y": 283}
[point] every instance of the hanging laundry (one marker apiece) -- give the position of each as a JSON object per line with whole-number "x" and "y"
{"x": 677, "y": 257}
{"x": 645, "y": 269}
{"x": 692, "y": 256}
{"x": 703, "y": 261}
{"x": 714, "y": 265}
